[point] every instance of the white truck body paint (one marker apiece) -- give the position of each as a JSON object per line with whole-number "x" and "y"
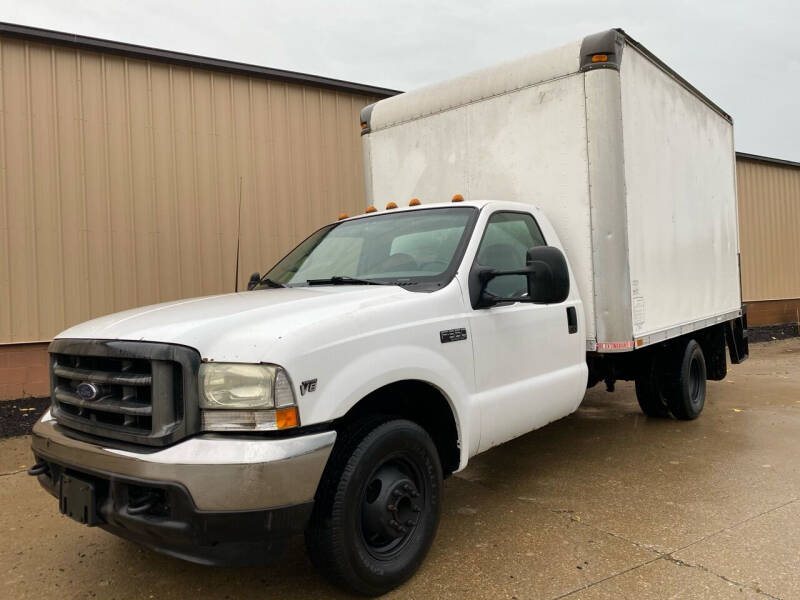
{"x": 634, "y": 170}
{"x": 681, "y": 209}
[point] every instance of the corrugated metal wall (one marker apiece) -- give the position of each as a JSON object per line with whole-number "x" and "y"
{"x": 120, "y": 180}
{"x": 769, "y": 230}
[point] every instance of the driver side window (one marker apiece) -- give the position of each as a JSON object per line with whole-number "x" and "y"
{"x": 504, "y": 246}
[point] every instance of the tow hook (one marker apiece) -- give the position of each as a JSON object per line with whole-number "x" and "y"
{"x": 38, "y": 469}
{"x": 142, "y": 505}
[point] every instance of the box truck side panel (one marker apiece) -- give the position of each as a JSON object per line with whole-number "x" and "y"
{"x": 527, "y": 145}
{"x": 681, "y": 203}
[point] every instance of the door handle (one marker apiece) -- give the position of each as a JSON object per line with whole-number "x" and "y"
{"x": 572, "y": 319}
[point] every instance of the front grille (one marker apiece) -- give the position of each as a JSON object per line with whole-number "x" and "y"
{"x": 131, "y": 391}
{"x": 123, "y": 389}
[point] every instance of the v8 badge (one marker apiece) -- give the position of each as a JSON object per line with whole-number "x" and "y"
{"x": 309, "y": 385}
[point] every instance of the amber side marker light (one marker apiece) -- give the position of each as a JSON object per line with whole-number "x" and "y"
{"x": 363, "y": 126}
{"x": 414, "y": 202}
{"x": 286, "y": 418}
{"x": 391, "y": 205}
{"x": 371, "y": 209}
{"x": 458, "y": 198}
{"x": 343, "y": 216}
{"x": 599, "y": 58}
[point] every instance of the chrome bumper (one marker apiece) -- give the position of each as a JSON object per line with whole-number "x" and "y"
{"x": 220, "y": 473}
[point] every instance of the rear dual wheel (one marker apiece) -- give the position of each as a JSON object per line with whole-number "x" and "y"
{"x": 673, "y": 380}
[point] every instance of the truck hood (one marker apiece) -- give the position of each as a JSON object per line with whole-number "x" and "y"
{"x": 241, "y": 326}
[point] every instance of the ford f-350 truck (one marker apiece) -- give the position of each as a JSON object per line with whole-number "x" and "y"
{"x": 598, "y": 242}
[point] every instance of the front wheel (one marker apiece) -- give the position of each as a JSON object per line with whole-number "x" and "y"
{"x": 378, "y": 507}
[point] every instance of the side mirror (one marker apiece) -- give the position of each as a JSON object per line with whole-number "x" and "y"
{"x": 546, "y": 273}
{"x": 254, "y": 279}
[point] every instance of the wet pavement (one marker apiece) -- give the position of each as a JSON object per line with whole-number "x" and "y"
{"x": 603, "y": 504}
{"x": 18, "y": 416}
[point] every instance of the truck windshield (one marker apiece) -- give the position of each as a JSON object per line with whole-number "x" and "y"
{"x": 419, "y": 248}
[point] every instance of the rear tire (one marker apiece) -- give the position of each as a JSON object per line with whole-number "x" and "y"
{"x": 686, "y": 394}
{"x": 650, "y": 385}
{"x": 377, "y": 508}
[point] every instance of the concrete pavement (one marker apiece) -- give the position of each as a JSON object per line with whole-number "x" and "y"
{"x": 603, "y": 504}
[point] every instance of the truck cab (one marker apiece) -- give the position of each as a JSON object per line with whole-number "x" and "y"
{"x": 213, "y": 428}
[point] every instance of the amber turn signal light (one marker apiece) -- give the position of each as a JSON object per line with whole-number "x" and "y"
{"x": 600, "y": 58}
{"x": 286, "y": 417}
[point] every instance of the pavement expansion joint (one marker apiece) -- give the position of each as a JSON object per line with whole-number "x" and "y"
{"x": 683, "y": 563}
{"x": 667, "y": 555}
{"x": 22, "y": 470}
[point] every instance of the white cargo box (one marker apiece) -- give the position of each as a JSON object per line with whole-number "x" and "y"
{"x": 634, "y": 167}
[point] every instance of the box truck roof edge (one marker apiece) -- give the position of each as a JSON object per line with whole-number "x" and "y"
{"x": 609, "y": 43}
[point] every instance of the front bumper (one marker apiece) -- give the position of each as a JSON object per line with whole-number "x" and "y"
{"x": 214, "y": 499}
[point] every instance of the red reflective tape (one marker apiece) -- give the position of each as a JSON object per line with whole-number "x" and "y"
{"x": 615, "y": 345}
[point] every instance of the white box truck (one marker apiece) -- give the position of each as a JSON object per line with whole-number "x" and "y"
{"x": 597, "y": 241}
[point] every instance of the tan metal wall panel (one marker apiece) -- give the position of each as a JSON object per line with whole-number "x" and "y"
{"x": 769, "y": 224}
{"x": 120, "y": 180}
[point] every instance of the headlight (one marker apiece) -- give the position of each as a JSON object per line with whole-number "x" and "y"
{"x": 246, "y": 397}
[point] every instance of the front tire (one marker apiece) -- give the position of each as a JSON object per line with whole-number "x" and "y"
{"x": 377, "y": 508}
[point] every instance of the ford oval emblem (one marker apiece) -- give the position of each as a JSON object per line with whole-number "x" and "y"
{"x": 87, "y": 391}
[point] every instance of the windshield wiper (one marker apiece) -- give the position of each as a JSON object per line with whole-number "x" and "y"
{"x": 344, "y": 280}
{"x": 270, "y": 283}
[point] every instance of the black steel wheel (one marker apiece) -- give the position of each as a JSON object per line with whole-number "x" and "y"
{"x": 686, "y": 394}
{"x": 377, "y": 508}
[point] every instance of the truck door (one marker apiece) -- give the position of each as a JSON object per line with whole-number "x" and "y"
{"x": 530, "y": 365}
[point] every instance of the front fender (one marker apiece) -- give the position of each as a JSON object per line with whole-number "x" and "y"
{"x": 364, "y": 374}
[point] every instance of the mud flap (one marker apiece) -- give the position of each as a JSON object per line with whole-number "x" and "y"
{"x": 736, "y": 336}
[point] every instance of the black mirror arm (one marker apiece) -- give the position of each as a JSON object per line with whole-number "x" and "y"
{"x": 486, "y": 275}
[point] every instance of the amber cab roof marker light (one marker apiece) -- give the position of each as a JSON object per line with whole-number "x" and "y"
{"x": 371, "y": 209}
{"x": 414, "y": 202}
{"x": 458, "y": 198}
{"x": 343, "y": 216}
{"x": 391, "y": 205}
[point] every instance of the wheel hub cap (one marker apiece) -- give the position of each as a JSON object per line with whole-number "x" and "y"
{"x": 391, "y": 507}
